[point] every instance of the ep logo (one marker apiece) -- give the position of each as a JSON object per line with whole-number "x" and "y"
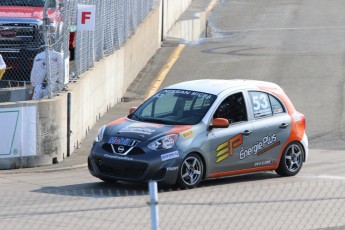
{"x": 226, "y": 149}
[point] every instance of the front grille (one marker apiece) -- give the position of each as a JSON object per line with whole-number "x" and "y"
{"x": 113, "y": 148}
{"x": 130, "y": 170}
{"x": 20, "y": 36}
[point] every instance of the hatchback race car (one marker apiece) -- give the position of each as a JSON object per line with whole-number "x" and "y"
{"x": 203, "y": 129}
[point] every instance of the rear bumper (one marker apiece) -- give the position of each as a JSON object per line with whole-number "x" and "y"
{"x": 305, "y": 144}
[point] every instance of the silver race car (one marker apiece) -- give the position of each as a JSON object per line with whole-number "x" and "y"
{"x": 203, "y": 129}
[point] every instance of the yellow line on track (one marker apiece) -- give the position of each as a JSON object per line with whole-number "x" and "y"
{"x": 165, "y": 70}
{"x": 210, "y": 7}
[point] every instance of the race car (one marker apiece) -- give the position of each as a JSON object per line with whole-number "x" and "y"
{"x": 203, "y": 129}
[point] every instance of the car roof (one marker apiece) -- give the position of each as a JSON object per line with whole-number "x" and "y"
{"x": 216, "y": 86}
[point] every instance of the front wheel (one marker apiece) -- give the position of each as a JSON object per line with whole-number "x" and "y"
{"x": 292, "y": 160}
{"x": 190, "y": 172}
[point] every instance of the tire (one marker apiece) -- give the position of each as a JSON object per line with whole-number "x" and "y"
{"x": 190, "y": 171}
{"x": 291, "y": 160}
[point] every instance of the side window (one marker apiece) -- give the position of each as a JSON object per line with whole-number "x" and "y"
{"x": 232, "y": 108}
{"x": 264, "y": 104}
{"x": 277, "y": 107}
{"x": 260, "y": 104}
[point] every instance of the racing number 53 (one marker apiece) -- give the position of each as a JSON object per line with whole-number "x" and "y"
{"x": 260, "y": 101}
{"x": 260, "y": 104}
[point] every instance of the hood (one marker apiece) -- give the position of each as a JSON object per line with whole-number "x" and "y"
{"x": 24, "y": 12}
{"x": 141, "y": 131}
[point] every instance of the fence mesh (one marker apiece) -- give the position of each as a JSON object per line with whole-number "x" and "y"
{"x": 116, "y": 21}
{"x": 22, "y": 39}
{"x": 264, "y": 202}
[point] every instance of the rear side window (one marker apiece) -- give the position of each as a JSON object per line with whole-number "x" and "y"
{"x": 277, "y": 107}
{"x": 264, "y": 104}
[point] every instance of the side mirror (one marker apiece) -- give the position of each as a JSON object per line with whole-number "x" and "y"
{"x": 131, "y": 110}
{"x": 220, "y": 123}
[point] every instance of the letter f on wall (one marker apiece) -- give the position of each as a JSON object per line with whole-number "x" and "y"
{"x": 84, "y": 16}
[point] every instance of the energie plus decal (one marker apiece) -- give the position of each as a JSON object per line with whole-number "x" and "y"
{"x": 226, "y": 149}
{"x": 267, "y": 143}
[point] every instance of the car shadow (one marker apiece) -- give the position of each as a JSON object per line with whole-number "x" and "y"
{"x": 124, "y": 189}
{"x": 239, "y": 179}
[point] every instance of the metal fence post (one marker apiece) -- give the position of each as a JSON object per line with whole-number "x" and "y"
{"x": 154, "y": 204}
{"x": 47, "y": 47}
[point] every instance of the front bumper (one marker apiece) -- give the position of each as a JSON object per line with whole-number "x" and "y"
{"x": 142, "y": 167}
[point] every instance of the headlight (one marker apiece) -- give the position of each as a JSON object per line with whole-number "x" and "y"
{"x": 166, "y": 142}
{"x": 100, "y": 133}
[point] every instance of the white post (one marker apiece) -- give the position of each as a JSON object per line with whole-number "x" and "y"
{"x": 154, "y": 204}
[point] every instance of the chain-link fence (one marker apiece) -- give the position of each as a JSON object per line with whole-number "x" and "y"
{"x": 263, "y": 202}
{"x": 32, "y": 29}
{"x": 116, "y": 21}
{"x": 27, "y": 27}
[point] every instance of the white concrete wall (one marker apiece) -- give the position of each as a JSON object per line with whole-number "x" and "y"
{"x": 172, "y": 10}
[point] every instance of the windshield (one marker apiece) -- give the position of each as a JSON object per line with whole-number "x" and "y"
{"x": 174, "y": 107}
{"x": 35, "y": 3}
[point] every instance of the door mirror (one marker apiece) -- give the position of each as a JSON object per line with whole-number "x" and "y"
{"x": 131, "y": 110}
{"x": 220, "y": 123}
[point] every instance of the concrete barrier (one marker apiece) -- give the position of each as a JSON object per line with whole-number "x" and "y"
{"x": 92, "y": 95}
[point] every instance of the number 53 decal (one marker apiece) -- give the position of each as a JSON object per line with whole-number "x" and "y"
{"x": 260, "y": 101}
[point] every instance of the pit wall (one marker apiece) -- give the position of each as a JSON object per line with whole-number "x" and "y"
{"x": 92, "y": 95}
{"x": 172, "y": 10}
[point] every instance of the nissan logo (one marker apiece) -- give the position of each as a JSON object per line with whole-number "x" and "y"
{"x": 120, "y": 149}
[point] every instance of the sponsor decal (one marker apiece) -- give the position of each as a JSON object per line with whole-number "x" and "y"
{"x": 188, "y": 134}
{"x": 261, "y": 104}
{"x": 172, "y": 168}
{"x": 118, "y": 157}
{"x": 123, "y": 141}
{"x": 267, "y": 143}
{"x": 264, "y": 163}
{"x": 169, "y": 156}
{"x": 226, "y": 149}
{"x": 185, "y": 92}
{"x": 140, "y": 130}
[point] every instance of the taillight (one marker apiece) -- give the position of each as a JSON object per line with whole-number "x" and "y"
{"x": 303, "y": 121}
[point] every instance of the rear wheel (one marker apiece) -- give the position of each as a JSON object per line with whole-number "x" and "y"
{"x": 292, "y": 160}
{"x": 190, "y": 172}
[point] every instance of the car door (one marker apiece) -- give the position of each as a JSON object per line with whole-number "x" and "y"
{"x": 271, "y": 124}
{"x": 225, "y": 144}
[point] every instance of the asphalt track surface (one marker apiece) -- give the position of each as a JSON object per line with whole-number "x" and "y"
{"x": 297, "y": 44}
